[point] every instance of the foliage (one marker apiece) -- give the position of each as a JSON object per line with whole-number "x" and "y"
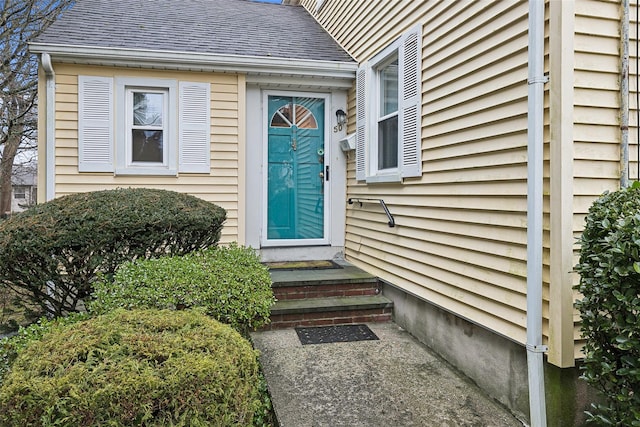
{"x": 51, "y": 254}
{"x": 229, "y": 283}
{"x": 139, "y": 367}
{"x": 10, "y": 347}
{"x": 610, "y": 306}
{"x": 13, "y": 313}
{"x": 264, "y": 415}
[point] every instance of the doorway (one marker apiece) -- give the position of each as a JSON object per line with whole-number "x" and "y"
{"x": 297, "y": 178}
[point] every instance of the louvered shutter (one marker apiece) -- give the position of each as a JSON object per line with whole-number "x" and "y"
{"x": 410, "y": 58}
{"x": 195, "y": 128}
{"x": 95, "y": 124}
{"x": 361, "y": 123}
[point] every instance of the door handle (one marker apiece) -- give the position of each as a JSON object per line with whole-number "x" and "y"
{"x": 326, "y": 173}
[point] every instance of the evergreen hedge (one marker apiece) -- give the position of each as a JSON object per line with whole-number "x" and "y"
{"x": 609, "y": 270}
{"x": 51, "y": 254}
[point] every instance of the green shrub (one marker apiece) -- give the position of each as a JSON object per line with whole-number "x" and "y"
{"x": 11, "y": 346}
{"x": 51, "y": 253}
{"x": 229, "y": 283}
{"x": 609, "y": 270}
{"x": 139, "y": 367}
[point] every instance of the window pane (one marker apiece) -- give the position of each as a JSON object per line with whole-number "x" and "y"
{"x": 147, "y": 146}
{"x": 389, "y": 88}
{"x": 283, "y": 117}
{"x": 388, "y": 143}
{"x": 20, "y": 193}
{"x": 304, "y": 118}
{"x": 279, "y": 120}
{"x": 147, "y": 109}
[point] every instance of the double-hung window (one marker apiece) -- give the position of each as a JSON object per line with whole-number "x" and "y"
{"x": 133, "y": 126}
{"x": 388, "y": 101}
{"x": 146, "y": 122}
{"x": 147, "y": 114}
{"x": 386, "y": 76}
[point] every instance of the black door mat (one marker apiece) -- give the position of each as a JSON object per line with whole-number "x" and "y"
{"x": 302, "y": 265}
{"x": 341, "y": 333}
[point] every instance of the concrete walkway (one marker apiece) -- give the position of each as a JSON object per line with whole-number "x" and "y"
{"x": 395, "y": 381}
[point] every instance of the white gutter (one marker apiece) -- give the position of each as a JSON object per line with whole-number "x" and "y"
{"x": 190, "y": 61}
{"x": 624, "y": 96}
{"x": 536, "y": 81}
{"x": 50, "y": 114}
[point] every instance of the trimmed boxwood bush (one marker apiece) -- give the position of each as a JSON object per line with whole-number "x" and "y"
{"x": 139, "y": 367}
{"x": 229, "y": 283}
{"x": 609, "y": 270}
{"x": 51, "y": 253}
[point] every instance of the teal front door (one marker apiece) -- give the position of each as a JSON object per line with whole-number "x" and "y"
{"x": 296, "y": 173}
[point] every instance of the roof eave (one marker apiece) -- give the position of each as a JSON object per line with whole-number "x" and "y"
{"x": 192, "y": 61}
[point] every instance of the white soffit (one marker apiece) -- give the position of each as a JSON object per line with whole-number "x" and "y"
{"x": 260, "y": 67}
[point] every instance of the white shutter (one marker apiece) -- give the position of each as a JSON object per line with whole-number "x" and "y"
{"x": 95, "y": 124}
{"x": 361, "y": 123}
{"x": 195, "y": 128}
{"x": 410, "y": 59}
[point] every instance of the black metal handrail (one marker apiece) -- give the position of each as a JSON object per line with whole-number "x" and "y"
{"x": 392, "y": 221}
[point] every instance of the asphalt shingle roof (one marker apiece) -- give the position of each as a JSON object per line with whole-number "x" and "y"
{"x": 226, "y": 27}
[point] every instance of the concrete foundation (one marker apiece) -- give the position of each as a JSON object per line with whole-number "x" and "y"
{"x": 497, "y": 364}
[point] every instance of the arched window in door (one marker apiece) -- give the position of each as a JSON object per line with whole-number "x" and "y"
{"x": 293, "y": 115}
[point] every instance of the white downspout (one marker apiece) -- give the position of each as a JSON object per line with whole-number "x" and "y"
{"x": 50, "y": 171}
{"x": 624, "y": 96}
{"x": 536, "y": 81}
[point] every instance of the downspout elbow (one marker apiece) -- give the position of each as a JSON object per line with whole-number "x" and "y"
{"x": 47, "y": 66}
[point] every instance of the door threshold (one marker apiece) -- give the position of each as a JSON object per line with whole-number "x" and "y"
{"x": 301, "y": 253}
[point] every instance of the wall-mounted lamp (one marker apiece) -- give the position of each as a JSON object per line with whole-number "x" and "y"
{"x": 341, "y": 119}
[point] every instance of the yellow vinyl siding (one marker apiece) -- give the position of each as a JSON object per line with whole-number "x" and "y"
{"x": 597, "y": 134}
{"x": 347, "y": 20}
{"x": 220, "y": 186}
{"x": 460, "y": 238}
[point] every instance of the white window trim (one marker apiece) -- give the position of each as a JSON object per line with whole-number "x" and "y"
{"x": 379, "y": 61}
{"x": 124, "y": 163}
{"x": 408, "y": 48}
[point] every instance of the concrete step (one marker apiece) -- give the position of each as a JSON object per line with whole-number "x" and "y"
{"x": 330, "y": 310}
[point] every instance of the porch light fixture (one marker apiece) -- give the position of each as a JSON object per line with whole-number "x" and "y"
{"x": 341, "y": 119}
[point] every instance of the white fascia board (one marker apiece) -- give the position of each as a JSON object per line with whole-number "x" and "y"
{"x": 293, "y": 82}
{"x": 191, "y": 61}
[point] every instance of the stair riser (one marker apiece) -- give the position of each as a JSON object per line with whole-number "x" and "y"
{"x": 326, "y": 318}
{"x": 319, "y": 291}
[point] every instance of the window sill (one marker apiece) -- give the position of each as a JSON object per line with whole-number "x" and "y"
{"x": 146, "y": 171}
{"x": 381, "y": 179}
